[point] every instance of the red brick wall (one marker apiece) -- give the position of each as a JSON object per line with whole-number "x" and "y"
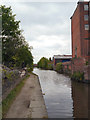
{"x": 78, "y": 65}
{"x": 78, "y": 31}
{"x": 87, "y": 72}
{"x": 83, "y": 33}
{"x": 75, "y": 65}
{"x": 75, "y": 27}
{"x": 81, "y": 40}
{"x": 67, "y": 65}
{"x": 89, "y": 34}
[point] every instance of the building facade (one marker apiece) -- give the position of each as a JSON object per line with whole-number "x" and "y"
{"x": 61, "y": 58}
{"x": 80, "y": 28}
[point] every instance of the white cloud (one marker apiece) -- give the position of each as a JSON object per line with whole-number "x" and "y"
{"x": 46, "y": 26}
{"x": 16, "y": 1}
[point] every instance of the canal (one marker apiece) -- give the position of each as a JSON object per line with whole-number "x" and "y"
{"x": 63, "y": 98}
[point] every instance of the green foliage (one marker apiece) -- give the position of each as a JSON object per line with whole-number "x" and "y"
{"x": 50, "y": 59}
{"x": 43, "y": 63}
{"x": 77, "y": 76}
{"x": 10, "y": 34}
{"x": 50, "y": 66}
{"x": 0, "y": 111}
{"x": 9, "y": 75}
{"x": 87, "y": 62}
{"x": 23, "y": 57}
{"x": 29, "y": 69}
{"x": 6, "y": 103}
{"x": 59, "y": 67}
{"x": 15, "y": 50}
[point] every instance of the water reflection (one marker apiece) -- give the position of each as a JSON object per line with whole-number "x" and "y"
{"x": 63, "y": 97}
{"x": 57, "y": 89}
{"x": 80, "y": 99}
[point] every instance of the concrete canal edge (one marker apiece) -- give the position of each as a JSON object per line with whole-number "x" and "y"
{"x": 37, "y": 103}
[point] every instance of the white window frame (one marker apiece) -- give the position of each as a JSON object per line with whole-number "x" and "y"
{"x": 85, "y": 7}
{"x": 86, "y": 27}
{"x": 86, "y": 17}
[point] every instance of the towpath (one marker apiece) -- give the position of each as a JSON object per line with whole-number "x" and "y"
{"x": 29, "y": 103}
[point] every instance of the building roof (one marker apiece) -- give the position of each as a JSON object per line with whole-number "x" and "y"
{"x": 62, "y": 56}
{"x": 77, "y": 6}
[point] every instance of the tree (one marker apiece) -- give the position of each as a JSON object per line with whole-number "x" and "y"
{"x": 50, "y": 59}
{"x": 10, "y": 34}
{"x": 15, "y": 49}
{"x": 43, "y": 63}
{"x": 23, "y": 57}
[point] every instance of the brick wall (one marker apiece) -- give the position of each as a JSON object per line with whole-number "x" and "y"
{"x": 80, "y": 36}
{"x": 78, "y": 65}
{"x": 75, "y": 27}
{"x": 83, "y": 33}
{"x": 86, "y": 72}
{"x": 75, "y": 65}
{"x": 67, "y": 65}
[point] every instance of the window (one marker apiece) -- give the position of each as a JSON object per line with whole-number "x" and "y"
{"x": 75, "y": 51}
{"x": 86, "y": 17}
{"x": 85, "y": 7}
{"x": 87, "y": 27}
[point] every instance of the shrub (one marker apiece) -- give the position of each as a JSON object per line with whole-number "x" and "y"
{"x": 87, "y": 62}
{"x": 8, "y": 74}
{"x": 77, "y": 76}
{"x": 50, "y": 66}
{"x": 29, "y": 69}
{"x": 59, "y": 67}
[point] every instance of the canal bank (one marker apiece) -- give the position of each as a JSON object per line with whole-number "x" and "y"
{"x": 29, "y": 103}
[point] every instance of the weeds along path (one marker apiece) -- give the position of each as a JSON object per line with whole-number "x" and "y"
{"x": 29, "y": 103}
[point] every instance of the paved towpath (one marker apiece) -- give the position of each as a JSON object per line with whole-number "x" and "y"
{"x": 29, "y": 103}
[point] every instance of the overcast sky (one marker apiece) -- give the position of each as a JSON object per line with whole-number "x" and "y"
{"x": 46, "y": 25}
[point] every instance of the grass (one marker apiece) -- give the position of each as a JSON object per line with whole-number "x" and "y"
{"x": 0, "y": 111}
{"x": 6, "y": 103}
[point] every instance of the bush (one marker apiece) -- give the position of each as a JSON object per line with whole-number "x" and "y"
{"x": 8, "y": 74}
{"x": 50, "y": 66}
{"x": 77, "y": 76}
{"x": 59, "y": 67}
{"x": 30, "y": 69}
{"x": 87, "y": 63}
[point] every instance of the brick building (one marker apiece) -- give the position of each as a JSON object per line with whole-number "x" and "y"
{"x": 61, "y": 58}
{"x": 80, "y": 27}
{"x": 89, "y": 30}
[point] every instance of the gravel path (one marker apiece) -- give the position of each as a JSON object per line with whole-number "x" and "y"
{"x": 29, "y": 103}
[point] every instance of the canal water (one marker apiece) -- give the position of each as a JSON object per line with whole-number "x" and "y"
{"x": 63, "y": 97}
